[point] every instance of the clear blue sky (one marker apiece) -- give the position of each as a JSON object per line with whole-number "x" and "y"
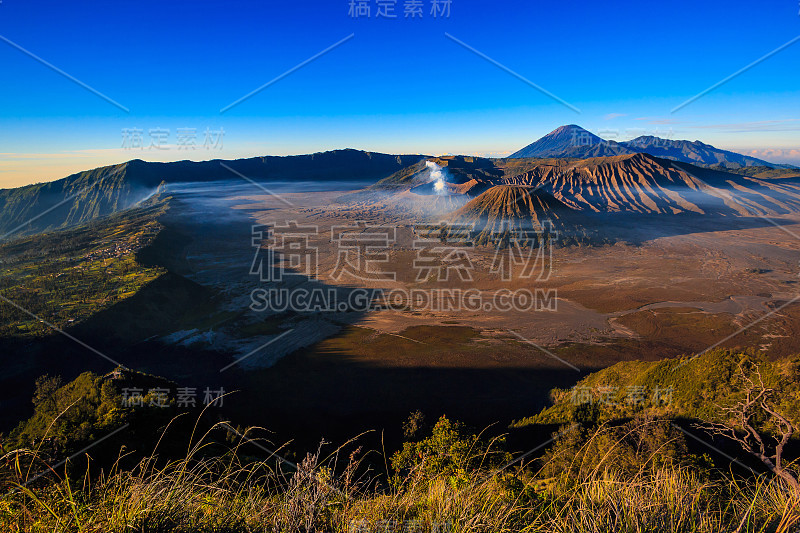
{"x": 399, "y": 85}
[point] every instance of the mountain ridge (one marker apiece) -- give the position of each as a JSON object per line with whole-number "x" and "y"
{"x": 573, "y": 141}
{"x": 91, "y": 194}
{"x": 631, "y": 182}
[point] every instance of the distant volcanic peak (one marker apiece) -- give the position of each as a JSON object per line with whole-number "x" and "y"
{"x": 573, "y": 134}
{"x": 566, "y": 127}
{"x": 569, "y": 141}
{"x": 574, "y": 142}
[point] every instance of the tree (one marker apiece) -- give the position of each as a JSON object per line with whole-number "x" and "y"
{"x": 44, "y": 398}
{"x": 413, "y": 426}
{"x": 756, "y": 424}
{"x": 451, "y": 451}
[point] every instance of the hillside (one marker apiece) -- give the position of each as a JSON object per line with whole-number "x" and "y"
{"x": 513, "y": 201}
{"x": 67, "y": 276}
{"x": 686, "y": 387}
{"x": 642, "y": 475}
{"x": 640, "y": 183}
{"x": 72, "y": 200}
{"x": 512, "y": 208}
{"x": 94, "y": 193}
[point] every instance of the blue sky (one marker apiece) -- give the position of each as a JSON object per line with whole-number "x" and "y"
{"x": 398, "y": 85}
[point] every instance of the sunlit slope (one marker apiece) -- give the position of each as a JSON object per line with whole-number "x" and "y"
{"x": 640, "y": 183}
{"x": 687, "y": 387}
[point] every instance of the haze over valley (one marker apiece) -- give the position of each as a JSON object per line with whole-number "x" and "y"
{"x": 621, "y": 257}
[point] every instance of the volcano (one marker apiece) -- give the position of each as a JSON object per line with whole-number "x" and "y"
{"x": 517, "y": 208}
{"x": 571, "y": 141}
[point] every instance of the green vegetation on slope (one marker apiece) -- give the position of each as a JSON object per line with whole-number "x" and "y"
{"x": 67, "y": 276}
{"x": 68, "y": 417}
{"x": 692, "y": 388}
{"x": 621, "y": 469}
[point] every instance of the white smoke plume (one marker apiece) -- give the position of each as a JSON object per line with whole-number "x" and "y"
{"x": 437, "y": 175}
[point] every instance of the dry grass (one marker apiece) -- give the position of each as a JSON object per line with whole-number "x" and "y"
{"x": 339, "y": 493}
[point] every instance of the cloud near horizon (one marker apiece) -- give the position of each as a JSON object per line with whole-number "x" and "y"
{"x": 789, "y": 124}
{"x": 775, "y": 155}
